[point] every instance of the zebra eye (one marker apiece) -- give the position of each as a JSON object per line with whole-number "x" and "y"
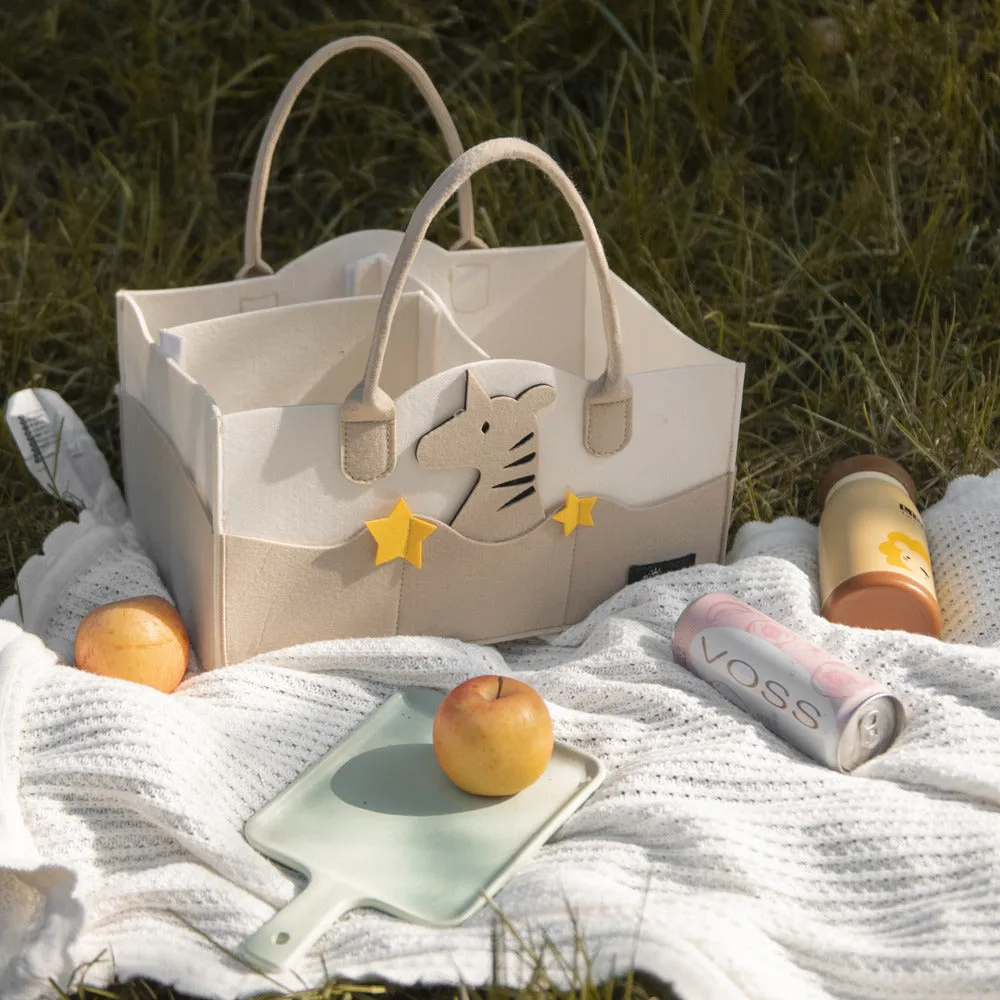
{"x": 486, "y": 426}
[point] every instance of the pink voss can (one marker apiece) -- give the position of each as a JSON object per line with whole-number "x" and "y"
{"x": 827, "y": 709}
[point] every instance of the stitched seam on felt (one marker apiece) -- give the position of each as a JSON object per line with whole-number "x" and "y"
{"x": 730, "y": 480}
{"x": 628, "y": 425}
{"x": 399, "y": 597}
{"x": 734, "y": 422}
{"x": 220, "y": 589}
{"x": 350, "y": 467}
{"x": 569, "y": 586}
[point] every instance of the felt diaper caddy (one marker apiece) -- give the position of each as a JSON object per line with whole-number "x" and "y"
{"x": 387, "y": 437}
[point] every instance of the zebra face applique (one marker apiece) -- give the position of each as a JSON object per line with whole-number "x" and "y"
{"x": 498, "y": 435}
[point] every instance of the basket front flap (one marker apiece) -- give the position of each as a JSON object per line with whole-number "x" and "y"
{"x": 517, "y": 519}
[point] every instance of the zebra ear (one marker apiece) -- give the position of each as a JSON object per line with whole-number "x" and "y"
{"x": 537, "y": 397}
{"x": 476, "y": 397}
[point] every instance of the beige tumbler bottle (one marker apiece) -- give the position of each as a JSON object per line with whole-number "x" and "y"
{"x": 874, "y": 563}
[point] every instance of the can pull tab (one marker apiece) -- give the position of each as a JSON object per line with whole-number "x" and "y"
{"x": 870, "y": 729}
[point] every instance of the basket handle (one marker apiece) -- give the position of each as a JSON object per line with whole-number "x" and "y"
{"x": 253, "y": 263}
{"x": 368, "y": 416}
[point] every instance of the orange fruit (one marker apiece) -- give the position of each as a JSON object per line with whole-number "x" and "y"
{"x": 140, "y": 639}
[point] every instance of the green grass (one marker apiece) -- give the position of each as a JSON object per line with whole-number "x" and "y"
{"x": 826, "y": 213}
{"x": 546, "y": 965}
{"x": 634, "y": 987}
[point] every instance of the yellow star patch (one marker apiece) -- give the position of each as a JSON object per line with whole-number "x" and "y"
{"x": 400, "y": 535}
{"x": 576, "y": 512}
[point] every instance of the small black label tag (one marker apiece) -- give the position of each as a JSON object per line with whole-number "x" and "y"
{"x": 646, "y": 570}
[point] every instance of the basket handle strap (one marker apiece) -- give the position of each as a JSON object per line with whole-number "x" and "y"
{"x": 253, "y": 262}
{"x": 368, "y": 416}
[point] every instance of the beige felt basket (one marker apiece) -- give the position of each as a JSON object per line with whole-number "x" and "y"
{"x": 392, "y": 464}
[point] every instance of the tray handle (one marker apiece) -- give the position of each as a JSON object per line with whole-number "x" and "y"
{"x": 280, "y": 942}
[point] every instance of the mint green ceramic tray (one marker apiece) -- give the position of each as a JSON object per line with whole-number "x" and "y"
{"x": 375, "y": 823}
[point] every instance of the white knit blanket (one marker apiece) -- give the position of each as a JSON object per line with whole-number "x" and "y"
{"x": 715, "y": 855}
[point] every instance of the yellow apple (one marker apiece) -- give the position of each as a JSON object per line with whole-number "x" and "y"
{"x": 493, "y": 735}
{"x": 141, "y": 639}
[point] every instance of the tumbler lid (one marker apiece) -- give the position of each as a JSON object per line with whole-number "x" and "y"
{"x": 865, "y": 463}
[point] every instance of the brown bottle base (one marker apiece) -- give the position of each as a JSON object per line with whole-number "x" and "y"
{"x": 884, "y": 600}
